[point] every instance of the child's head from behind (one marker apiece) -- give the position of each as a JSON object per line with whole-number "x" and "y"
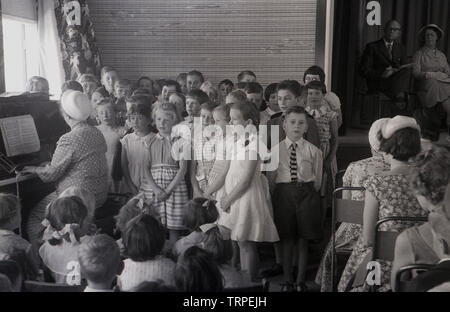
{"x": 196, "y": 271}
{"x": 221, "y": 250}
{"x": 109, "y": 77}
{"x": 143, "y": 238}
{"x": 9, "y": 212}
{"x": 254, "y": 93}
{"x": 316, "y": 92}
{"x": 66, "y": 211}
{"x": 314, "y": 73}
{"x": 122, "y": 88}
{"x": 165, "y": 116}
{"x": 129, "y": 211}
{"x": 206, "y": 113}
{"x": 194, "y": 80}
{"x": 288, "y": 93}
{"x": 37, "y": 84}
{"x": 294, "y": 122}
{"x": 194, "y": 99}
{"x": 106, "y": 114}
{"x": 270, "y": 95}
{"x": 221, "y": 115}
{"x": 139, "y": 113}
{"x": 236, "y": 96}
{"x": 99, "y": 259}
{"x": 246, "y": 76}
{"x": 199, "y": 211}
{"x": 169, "y": 87}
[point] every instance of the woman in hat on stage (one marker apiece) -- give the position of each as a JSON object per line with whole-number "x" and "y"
{"x": 432, "y": 71}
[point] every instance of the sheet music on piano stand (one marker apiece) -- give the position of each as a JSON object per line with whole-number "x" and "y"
{"x": 19, "y": 135}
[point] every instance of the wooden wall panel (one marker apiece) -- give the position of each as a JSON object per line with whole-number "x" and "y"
{"x": 161, "y": 38}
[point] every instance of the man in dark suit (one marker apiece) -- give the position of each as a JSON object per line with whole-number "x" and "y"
{"x": 381, "y": 61}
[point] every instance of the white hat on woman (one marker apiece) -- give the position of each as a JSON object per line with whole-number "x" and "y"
{"x": 373, "y": 133}
{"x": 76, "y": 104}
{"x": 397, "y": 123}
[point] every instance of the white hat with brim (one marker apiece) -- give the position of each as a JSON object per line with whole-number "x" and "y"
{"x": 397, "y": 123}
{"x": 76, "y": 105}
{"x": 433, "y": 26}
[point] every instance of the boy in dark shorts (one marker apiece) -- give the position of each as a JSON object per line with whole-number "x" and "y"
{"x": 295, "y": 197}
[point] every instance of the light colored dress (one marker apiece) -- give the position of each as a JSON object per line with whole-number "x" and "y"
{"x": 136, "y": 152}
{"x": 395, "y": 199}
{"x": 134, "y": 272}
{"x": 347, "y": 234}
{"x": 163, "y": 170}
{"x": 431, "y": 91}
{"x": 250, "y": 216}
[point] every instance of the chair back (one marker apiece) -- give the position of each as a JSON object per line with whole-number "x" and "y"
{"x": 35, "y": 286}
{"x": 384, "y": 246}
{"x": 343, "y": 210}
{"x": 407, "y": 273}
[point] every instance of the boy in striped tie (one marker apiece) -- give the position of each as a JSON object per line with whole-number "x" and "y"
{"x": 296, "y": 202}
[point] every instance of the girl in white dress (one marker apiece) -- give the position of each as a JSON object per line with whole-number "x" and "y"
{"x": 246, "y": 210}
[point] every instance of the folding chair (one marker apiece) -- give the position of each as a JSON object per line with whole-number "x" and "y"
{"x": 35, "y": 286}
{"x": 384, "y": 245}
{"x": 407, "y": 273}
{"x": 343, "y": 210}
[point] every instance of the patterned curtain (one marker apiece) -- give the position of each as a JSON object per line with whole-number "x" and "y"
{"x": 79, "y": 50}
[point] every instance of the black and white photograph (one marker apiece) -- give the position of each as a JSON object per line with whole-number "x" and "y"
{"x": 224, "y": 151}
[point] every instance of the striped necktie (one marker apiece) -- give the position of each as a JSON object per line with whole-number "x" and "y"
{"x": 293, "y": 161}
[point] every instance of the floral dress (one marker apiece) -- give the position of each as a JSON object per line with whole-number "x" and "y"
{"x": 395, "y": 199}
{"x": 323, "y": 117}
{"x": 347, "y": 234}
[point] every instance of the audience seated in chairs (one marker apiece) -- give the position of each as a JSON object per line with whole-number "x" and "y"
{"x": 347, "y": 234}
{"x": 387, "y": 194}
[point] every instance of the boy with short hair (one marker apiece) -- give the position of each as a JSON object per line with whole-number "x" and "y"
{"x": 295, "y": 185}
{"x": 194, "y": 80}
{"x": 168, "y": 88}
{"x": 122, "y": 89}
{"x": 289, "y": 94}
{"x": 225, "y": 87}
{"x": 246, "y": 76}
{"x": 99, "y": 259}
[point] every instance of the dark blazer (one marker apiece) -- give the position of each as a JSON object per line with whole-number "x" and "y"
{"x": 375, "y": 60}
{"x": 430, "y": 279}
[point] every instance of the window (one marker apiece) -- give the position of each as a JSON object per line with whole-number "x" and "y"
{"x": 21, "y": 52}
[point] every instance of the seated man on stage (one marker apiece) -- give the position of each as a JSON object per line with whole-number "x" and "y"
{"x": 383, "y": 64}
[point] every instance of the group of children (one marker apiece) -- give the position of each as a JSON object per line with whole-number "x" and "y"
{"x": 172, "y": 146}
